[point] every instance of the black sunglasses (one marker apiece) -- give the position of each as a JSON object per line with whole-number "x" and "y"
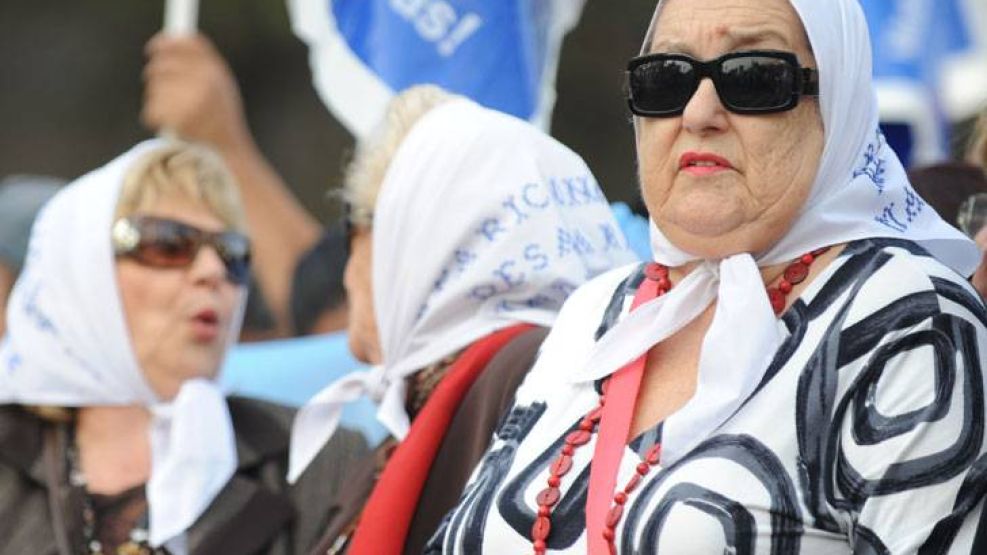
{"x": 750, "y": 82}
{"x": 164, "y": 243}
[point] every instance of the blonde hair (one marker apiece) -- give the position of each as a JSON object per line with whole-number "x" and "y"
{"x": 365, "y": 173}
{"x": 52, "y": 413}
{"x": 978, "y": 142}
{"x": 189, "y": 170}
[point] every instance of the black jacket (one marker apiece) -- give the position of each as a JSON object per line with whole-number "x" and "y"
{"x": 251, "y": 515}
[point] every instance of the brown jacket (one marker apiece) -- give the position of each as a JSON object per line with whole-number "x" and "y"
{"x": 252, "y": 514}
{"x": 463, "y": 446}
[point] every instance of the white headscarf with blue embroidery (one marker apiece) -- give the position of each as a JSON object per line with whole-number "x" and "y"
{"x": 861, "y": 190}
{"x": 67, "y": 344}
{"x": 482, "y": 222}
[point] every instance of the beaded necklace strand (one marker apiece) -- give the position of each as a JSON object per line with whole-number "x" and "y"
{"x": 138, "y": 538}
{"x": 794, "y": 274}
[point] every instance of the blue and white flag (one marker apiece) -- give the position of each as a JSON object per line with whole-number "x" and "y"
{"x": 501, "y": 53}
{"x": 930, "y": 67}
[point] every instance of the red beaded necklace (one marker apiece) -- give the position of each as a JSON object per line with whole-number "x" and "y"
{"x": 794, "y": 274}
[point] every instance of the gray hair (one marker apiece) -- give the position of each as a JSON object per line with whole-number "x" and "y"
{"x": 365, "y": 173}
{"x": 977, "y": 153}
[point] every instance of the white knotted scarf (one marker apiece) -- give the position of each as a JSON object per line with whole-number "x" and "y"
{"x": 67, "y": 345}
{"x": 861, "y": 190}
{"x": 482, "y": 222}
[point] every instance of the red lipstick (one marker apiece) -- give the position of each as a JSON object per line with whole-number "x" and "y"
{"x": 703, "y": 163}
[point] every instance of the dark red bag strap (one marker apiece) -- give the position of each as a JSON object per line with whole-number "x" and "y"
{"x": 387, "y": 515}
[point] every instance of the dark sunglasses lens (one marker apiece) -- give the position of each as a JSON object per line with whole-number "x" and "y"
{"x": 166, "y": 243}
{"x": 756, "y": 83}
{"x": 234, "y": 249}
{"x": 662, "y": 86}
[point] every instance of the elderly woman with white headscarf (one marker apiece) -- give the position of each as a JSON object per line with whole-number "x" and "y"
{"x": 800, "y": 370}
{"x": 470, "y": 228}
{"x": 114, "y": 437}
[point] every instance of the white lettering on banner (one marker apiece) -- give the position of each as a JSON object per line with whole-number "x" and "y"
{"x": 14, "y": 364}
{"x": 437, "y": 22}
{"x": 573, "y": 241}
{"x": 463, "y": 258}
{"x": 611, "y": 235}
{"x": 891, "y": 216}
{"x": 32, "y": 308}
{"x": 408, "y": 8}
{"x": 490, "y": 228}
{"x": 511, "y": 280}
{"x": 512, "y": 204}
{"x": 873, "y": 166}
{"x": 467, "y": 26}
{"x": 34, "y": 311}
{"x": 529, "y": 198}
{"x": 519, "y": 264}
{"x": 534, "y": 254}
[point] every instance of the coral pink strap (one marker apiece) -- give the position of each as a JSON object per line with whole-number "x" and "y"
{"x": 615, "y": 426}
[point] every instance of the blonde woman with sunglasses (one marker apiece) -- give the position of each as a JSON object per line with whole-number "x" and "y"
{"x": 114, "y": 437}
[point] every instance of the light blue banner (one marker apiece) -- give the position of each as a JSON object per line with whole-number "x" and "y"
{"x": 290, "y": 371}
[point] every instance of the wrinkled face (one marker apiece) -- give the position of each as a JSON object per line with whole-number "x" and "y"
{"x": 362, "y": 322}
{"x": 764, "y": 165}
{"x": 179, "y": 318}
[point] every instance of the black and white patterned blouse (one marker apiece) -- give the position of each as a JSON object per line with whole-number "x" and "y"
{"x": 866, "y": 434}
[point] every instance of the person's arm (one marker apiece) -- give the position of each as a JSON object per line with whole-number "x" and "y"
{"x": 191, "y": 91}
{"x": 7, "y": 279}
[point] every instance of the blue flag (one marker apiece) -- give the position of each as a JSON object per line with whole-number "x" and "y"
{"x": 501, "y": 53}
{"x": 927, "y": 54}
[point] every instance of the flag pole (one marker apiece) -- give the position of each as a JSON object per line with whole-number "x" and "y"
{"x": 180, "y": 20}
{"x": 181, "y": 17}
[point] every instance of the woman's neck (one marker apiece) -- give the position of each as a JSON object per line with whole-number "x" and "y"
{"x": 114, "y": 447}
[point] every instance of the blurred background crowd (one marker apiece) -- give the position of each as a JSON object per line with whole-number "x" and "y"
{"x": 72, "y": 85}
{"x": 72, "y": 89}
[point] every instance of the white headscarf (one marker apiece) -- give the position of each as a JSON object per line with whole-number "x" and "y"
{"x": 860, "y": 191}
{"x": 67, "y": 344}
{"x": 482, "y": 222}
